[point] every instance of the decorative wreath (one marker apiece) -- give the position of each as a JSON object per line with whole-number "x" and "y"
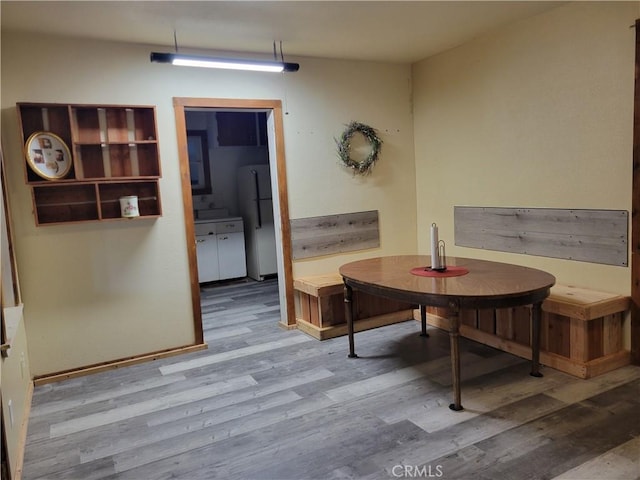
{"x": 344, "y": 147}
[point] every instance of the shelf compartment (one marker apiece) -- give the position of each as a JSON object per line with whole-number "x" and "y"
{"x": 130, "y": 124}
{"x": 147, "y": 159}
{"x": 144, "y": 124}
{"x": 120, "y": 161}
{"x": 52, "y": 118}
{"x": 104, "y": 161}
{"x": 95, "y": 124}
{"x": 65, "y": 203}
{"x": 45, "y": 118}
{"x": 89, "y": 161}
{"x": 147, "y": 193}
{"x": 87, "y": 125}
{"x": 116, "y": 121}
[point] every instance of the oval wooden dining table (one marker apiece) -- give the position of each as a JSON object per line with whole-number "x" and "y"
{"x": 476, "y": 284}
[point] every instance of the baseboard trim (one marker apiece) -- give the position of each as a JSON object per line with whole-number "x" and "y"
{"x": 123, "y": 362}
{"x": 285, "y": 326}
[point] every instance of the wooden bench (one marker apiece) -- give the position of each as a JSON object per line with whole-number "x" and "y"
{"x": 584, "y": 327}
{"x": 581, "y": 331}
{"x": 320, "y": 308}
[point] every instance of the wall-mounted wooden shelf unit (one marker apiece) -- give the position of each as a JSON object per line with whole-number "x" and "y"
{"x": 114, "y": 151}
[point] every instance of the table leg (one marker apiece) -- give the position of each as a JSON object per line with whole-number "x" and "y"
{"x": 454, "y": 336}
{"x": 536, "y": 319}
{"x": 348, "y": 310}
{"x": 423, "y": 319}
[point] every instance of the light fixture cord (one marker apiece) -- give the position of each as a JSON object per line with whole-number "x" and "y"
{"x": 284, "y": 80}
{"x": 175, "y": 40}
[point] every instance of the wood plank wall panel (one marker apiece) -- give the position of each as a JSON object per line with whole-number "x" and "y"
{"x": 331, "y": 234}
{"x": 597, "y": 236}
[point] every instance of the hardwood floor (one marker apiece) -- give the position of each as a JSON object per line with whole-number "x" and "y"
{"x": 265, "y": 403}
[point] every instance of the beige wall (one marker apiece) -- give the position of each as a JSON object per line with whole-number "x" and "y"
{"x": 330, "y": 94}
{"x": 97, "y": 292}
{"x": 537, "y": 114}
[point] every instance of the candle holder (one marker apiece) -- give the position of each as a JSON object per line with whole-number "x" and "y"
{"x": 442, "y": 258}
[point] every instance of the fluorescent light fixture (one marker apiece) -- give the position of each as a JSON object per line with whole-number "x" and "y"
{"x": 228, "y": 63}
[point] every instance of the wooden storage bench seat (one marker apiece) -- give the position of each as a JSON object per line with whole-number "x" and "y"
{"x": 581, "y": 331}
{"x": 584, "y": 328}
{"x": 320, "y": 308}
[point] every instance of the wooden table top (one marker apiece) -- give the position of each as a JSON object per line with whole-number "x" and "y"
{"x": 487, "y": 285}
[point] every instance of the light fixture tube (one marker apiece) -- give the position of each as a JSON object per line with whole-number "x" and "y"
{"x": 227, "y": 63}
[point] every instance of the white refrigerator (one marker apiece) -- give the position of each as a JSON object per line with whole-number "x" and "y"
{"x": 256, "y": 208}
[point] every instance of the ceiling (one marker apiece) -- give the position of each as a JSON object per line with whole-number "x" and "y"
{"x": 387, "y": 31}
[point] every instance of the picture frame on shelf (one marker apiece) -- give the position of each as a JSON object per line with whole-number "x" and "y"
{"x": 48, "y": 155}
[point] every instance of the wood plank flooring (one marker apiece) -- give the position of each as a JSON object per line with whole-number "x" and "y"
{"x": 266, "y": 403}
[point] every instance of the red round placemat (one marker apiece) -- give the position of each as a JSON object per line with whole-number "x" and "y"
{"x": 452, "y": 271}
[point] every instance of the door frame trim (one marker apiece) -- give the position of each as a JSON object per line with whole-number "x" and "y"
{"x": 287, "y": 317}
{"x": 635, "y": 209}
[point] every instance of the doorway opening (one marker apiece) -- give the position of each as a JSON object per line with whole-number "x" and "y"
{"x": 232, "y": 194}
{"x": 266, "y": 117}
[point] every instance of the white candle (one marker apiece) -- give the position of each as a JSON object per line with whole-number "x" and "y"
{"x": 435, "y": 258}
